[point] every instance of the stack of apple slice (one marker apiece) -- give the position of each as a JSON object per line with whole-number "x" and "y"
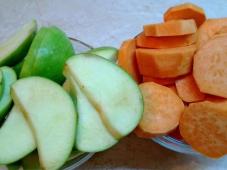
{"x": 43, "y": 117}
{"x": 109, "y": 102}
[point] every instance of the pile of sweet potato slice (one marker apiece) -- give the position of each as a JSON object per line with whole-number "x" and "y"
{"x": 181, "y": 68}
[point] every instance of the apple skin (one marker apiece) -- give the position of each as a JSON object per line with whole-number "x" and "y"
{"x": 8, "y": 78}
{"x": 14, "y": 49}
{"x": 47, "y": 55}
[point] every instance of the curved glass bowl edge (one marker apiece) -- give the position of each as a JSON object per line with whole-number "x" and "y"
{"x": 175, "y": 145}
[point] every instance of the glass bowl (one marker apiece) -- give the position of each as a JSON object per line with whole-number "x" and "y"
{"x": 174, "y": 142}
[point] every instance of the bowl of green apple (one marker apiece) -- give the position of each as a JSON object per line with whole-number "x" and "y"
{"x": 61, "y": 100}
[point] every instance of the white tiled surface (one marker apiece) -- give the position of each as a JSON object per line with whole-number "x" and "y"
{"x": 97, "y": 22}
{"x": 109, "y": 22}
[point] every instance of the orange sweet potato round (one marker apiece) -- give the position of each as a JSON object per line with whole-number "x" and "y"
{"x": 210, "y": 67}
{"x": 186, "y": 11}
{"x": 162, "y": 109}
{"x": 203, "y": 125}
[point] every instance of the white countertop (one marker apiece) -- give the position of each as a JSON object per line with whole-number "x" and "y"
{"x": 100, "y": 22}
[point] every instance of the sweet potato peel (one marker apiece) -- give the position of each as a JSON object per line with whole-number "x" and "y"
{"x": 203, "y": 125}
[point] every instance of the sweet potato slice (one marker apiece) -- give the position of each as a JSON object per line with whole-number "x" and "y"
{"x": 186, "y": 11}
{"x": 140, "y": 133}
{"x": 161, "y": 81}
{"x": 162, "y": 109}
{"x": 165, "y": 42}
{"x": 127, "y": 59}
{"x": 165, "y": 63}
{"x": 210, "y": 67}
{"x": 173, "y": 88}
{"x": 203, "y": 125}
{"x": 223, "y": 30}
{"x": 213, "y": 98}
{"x": 176, "y": 134}
{"x": 171, "y": 28}
{"x": 209, "y": 28}
{"x": 188, "y": 90}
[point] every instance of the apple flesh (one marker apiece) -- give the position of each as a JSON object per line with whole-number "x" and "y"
{"x": 16, "y": 138}
{"x": 109, "y": 102}
{"x": 51, "y": 115}
{"x": 92, "y": 136}
{"x": 109, "y": 53}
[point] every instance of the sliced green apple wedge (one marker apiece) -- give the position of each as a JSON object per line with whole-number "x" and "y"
{"x": 109, "y": 53}
{"x": 1, "y": 83}
{"x": 47, "y": 54}
{"x": 51, "y": 116}
{"x": 92, "y": 135}
{"x": 8, "y": 78}
{"x": 17, "y": 68}
{"x": 16, "y": 138}
{"x": 16, "y": 47}
{"x": 89, "y": 122}
{"x": 106, "y": 92}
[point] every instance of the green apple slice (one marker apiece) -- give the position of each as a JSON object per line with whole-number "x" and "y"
{"x": 16, "y": 138}
{"x": 92, "y": 135}
{"x": 8, "y": 78}
{"x": 109, "y": 53}
{"x": 103, "y": 90}
{"x": 89, "y": 123}
{"x": 16, "y": 47}
{"x": 47, "y": 54}
{"x": 17, "y": 68}
{"x": 1, "y": 83}
{"x": 51, "y": 116}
